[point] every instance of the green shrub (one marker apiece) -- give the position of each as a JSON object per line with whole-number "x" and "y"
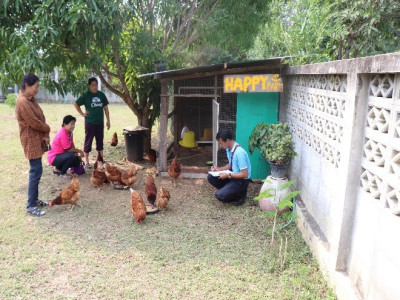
{"x": 11, "y": 99}
{"x": 274, "y": 142}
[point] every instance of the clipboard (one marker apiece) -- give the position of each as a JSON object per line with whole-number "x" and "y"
{"x": 217, "y": 173}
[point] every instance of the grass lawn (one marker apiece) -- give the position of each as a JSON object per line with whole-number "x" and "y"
{"x": 197, "y": 249}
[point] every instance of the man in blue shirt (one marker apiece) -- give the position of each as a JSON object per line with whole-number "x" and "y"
{"x": 231, "y": 186}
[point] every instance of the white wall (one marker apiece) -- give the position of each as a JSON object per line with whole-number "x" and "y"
{"x": 45, "y": 96}
{"x": 345, "y": 119}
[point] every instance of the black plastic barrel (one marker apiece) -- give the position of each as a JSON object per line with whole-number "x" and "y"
{"x": 134, "y": 145}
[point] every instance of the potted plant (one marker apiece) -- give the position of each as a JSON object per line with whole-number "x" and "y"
{"x": 283, "y": 198}
{"x": 275, "y": 144}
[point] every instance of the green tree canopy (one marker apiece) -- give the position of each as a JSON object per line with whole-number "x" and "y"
{"x": 120, "y": 39}
{"x": 321, "y": 30}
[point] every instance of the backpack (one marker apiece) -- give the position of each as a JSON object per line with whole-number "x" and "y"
{"x": 79, "y": 170}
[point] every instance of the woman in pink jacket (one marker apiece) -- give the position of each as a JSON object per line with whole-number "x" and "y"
{"x": 63, "y": 154}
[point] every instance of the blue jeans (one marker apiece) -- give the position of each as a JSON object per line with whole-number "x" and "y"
{"x": 229, "y": 190}
{"x": 35, "y": 173}
{"x": 66, "y": 160}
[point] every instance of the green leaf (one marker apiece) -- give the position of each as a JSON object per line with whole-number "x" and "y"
{"x": 286, "y": 185}
{"x": 265, "y": 194}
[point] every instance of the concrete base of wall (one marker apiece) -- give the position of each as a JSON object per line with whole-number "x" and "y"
{"x": 320, "y": 247}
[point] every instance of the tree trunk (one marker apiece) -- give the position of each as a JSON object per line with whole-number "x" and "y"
{"x": 146, "y": 122}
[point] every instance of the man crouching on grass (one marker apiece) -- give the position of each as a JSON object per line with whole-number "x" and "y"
{"x": 231, "y": 186}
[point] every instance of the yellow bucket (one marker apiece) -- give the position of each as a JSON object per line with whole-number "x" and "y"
{"x": 207, "y": 135}
{"x": 188, "y": 140}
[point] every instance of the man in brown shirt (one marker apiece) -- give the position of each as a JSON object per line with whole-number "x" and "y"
{"x": 34, "y": 135}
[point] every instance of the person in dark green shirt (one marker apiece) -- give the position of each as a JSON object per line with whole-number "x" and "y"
{"x": 96, "y": 106}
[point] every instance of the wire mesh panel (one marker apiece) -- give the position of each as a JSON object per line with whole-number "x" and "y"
{"x": 227, "y": 110}
{"x": 196, "y": 114}
{"x": 195, "y": 108}
{"x": 197, "y": 86}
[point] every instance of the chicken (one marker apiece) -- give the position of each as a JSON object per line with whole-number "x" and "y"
{"x": 69, "y": 195}
{"x": 129, "y": 177}
{"x": 112, "y": 173}
{"x": 152, "y": 155}
{"x": 98, "y": 176}
{"x": 138, "y": 208}
{"x": 114, "y": 140}
{"x": 150, "y": 190}
{"x": 163, "y": 198}
{"x": 175, "y": 170}
{"x": 99, "y": 158}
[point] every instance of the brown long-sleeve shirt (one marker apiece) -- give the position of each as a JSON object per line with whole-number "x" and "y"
{"x": 32, "y": 125}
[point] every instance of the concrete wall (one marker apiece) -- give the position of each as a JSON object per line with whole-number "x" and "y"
{"x": 345, "y": 119}
{"x": 45, "y": 96}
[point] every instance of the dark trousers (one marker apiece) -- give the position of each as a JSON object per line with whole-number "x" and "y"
{"x": 93, "y": 131}
{"x": 35, "y": 173}
{"x": 66, "y": 160}
{"x": 229, "y": 190}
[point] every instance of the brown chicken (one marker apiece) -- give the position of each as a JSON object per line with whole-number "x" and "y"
{"x": 69, "y": 195}
{"x": 98, "y": 176}
{"x": 175, "y": 170}
{"x": 163, "y": 198}
{"x": 150, "y": 190}
{"x": 152, "y": 155}
{"x": 112, "y": 173}
{"x": 99, "y": 158}
{"x": 114, "y": 140}
{"x": 129, "y": 177}
{"x": 138, "y": 208}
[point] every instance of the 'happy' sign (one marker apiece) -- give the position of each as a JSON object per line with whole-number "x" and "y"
{"x": 252, "y": 83}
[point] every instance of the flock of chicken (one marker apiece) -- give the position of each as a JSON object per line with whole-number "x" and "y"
{"x": 105, "y": 173}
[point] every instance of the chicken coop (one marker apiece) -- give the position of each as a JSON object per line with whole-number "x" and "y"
{"x": 206, "y": 99}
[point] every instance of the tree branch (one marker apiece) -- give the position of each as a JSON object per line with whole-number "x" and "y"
{"x": 108, "y": 72}
{"x": 121, "y": 76}
{"x": 127, "y": 99}
{"x": 143, "y": 16}
{"x": 185, "y": 25}
{"x": 108, "y": 85}
{"x": 192, "y": 38}
{"x": 151, "y": 11}
{"x": 190, "y": 33}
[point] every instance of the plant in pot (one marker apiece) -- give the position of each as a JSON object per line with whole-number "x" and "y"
{"x": 284, "y": 199}
{"x": 275, "y": 144}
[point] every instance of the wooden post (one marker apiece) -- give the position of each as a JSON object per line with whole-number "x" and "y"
{"x": 162, "y": 130}
{"x": 177, "y": 119}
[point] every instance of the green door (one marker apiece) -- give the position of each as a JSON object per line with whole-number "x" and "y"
{"x": 253, "y": 108}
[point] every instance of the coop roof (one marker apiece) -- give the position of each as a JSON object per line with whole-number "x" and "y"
{"x": 224, "y": 68}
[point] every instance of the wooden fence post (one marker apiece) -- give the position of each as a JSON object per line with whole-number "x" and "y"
{"x": 162, "y": 130}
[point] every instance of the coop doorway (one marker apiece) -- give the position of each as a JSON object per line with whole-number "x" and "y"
{"x": 200, "y": 116}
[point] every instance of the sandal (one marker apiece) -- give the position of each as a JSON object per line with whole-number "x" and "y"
{"x": 41, "y": 203}
{"x": 87, "y": 166}
{"x": 34, "y": 211}
{"x": 56, "y": 171}
{"x": 66, "y": 176}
